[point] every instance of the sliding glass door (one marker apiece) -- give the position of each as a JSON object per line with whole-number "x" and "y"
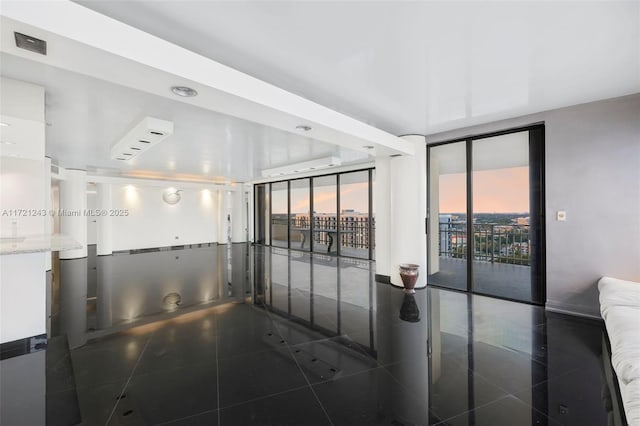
{"x": 280, "y": 214}
{"x": 448, "y": 216}
{"x": 486, "y": 209}
{"x": 329, "y": 214}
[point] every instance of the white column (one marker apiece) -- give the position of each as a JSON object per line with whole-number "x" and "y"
{"x": 104, "y": 243}
{"x": 383, "y": 215}
{"x": 408, "y": 205}
{"x": 73, "y": 203}
{"x": 238, "y": 219}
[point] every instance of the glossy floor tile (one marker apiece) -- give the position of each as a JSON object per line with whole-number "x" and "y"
{"x": 310, "y": 340}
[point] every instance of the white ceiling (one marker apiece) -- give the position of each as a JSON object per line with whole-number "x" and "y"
{"x": 403, "y": 67}
{"x": 412, "y": 67}
{"x": 86, "y": 116}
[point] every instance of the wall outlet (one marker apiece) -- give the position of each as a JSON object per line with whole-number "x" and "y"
{"x": 561, "y": 215}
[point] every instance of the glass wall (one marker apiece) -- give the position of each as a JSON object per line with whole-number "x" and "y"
{"x": 325, "y": 209}
{"x": 501, "y": 212}
{"x": 354, "y": 214}
{"x": 373, "y": 215}
{"x": 279, "y": 214}
{"x": 300, "y": 214}
{"x": 486, "y": 204}
{"x": 330, "y": 214}
{"x": 448, "y": 207}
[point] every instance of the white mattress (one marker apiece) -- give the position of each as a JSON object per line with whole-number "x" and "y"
{"x": 630, "y": 394}
{"x": 614, "y": 292}
{"x": 620, "y": 308}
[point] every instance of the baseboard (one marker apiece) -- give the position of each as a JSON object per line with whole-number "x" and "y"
{"x": 23, "y": 346}
{"x": 573, "y": 313}
{"x": 383, "y": 279}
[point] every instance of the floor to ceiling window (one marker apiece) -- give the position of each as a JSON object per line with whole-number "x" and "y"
{"x": 300, "y": 214}
{"x": 330, "y": 214}
{"x": 325, "y": 213}
{"x": 279, "y": 214}
{"x": 486, "y": 215}
{"x": 354, "y": 214}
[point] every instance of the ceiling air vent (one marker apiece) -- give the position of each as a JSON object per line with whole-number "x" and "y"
{"x": 33, "y": 44}
{"x": 147, "y": 133}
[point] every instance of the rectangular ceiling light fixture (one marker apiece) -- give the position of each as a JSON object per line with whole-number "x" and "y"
{"x": 305, "y": 166}
{"x": 147, "y": 133}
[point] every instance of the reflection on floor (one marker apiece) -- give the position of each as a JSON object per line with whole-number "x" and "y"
{"x": 324, "y": 248}
{"x": 494, "y": 279}
{"x": 316, "y": 341}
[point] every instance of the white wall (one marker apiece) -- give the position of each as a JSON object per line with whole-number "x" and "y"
{"x": 21, "y": 187}
{"x": 153, "y": 223}
{"x": 592, "y": 162}
{"x": 22, "y": 168}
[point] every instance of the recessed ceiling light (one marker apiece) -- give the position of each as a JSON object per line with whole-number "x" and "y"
{"x": 184, "y": 91}
{"x": 368, "y": 147}
{"x": 4, "y": 124}
{"x": 303, "y": 127}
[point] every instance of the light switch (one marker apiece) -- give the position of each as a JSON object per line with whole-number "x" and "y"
{"x": 561, "y": 215}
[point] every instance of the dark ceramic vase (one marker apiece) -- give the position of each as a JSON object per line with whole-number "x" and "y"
{"x": 409, "y": 274}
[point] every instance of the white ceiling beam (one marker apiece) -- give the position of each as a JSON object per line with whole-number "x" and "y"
{"x": 77, "y": 33}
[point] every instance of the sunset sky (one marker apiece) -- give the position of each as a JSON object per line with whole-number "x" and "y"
{"x": 352, "y": 196}
{"x": 494, "y": 191}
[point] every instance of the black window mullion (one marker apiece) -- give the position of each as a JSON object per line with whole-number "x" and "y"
{"x": 288, "y": 214}
{"x": 470, "y": 236}
{"x": 338, "y": 216}
{"x": 270, "y": 215}
{"x": 311, "y": 214}
{"x": 370, "y": 216}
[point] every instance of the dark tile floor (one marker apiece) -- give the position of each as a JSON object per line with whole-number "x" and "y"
{"x": 333, "y": 351}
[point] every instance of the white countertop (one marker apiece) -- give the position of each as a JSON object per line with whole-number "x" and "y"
{"x": 37, "y": 243}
